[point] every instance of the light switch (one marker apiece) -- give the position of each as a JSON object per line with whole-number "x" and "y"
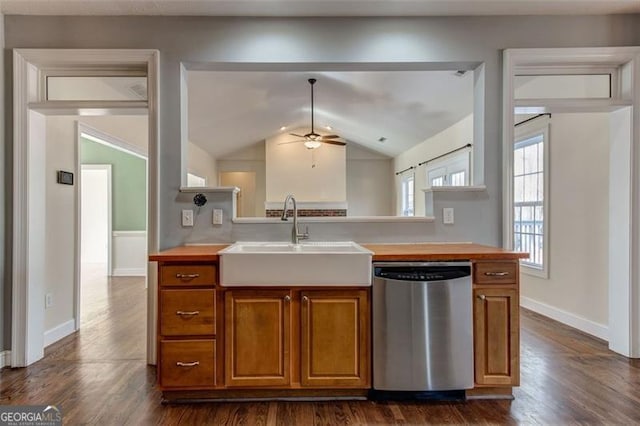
{"x": 447, "y": 215}
{"x": 217, "y": 216}
{"x": 187, "y": 217}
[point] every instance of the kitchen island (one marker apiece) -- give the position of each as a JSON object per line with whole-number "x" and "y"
{"x": 276, "y": 342}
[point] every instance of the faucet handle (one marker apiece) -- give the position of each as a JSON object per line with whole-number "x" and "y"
{"x": 305, "y": 234}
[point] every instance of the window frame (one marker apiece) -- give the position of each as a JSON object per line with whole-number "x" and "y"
{"x": 404, "y": 181}
{"x": 538, "y": 126}
{"x": 450, "y": 164}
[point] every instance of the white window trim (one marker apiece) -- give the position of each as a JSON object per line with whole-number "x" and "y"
{"x": 522, "y": 132}
{"x": 447, "y": 161}
{"x": 407, "y": 178}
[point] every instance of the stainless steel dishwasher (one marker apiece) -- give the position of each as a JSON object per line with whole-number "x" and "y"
{"x": 422, "y": 326}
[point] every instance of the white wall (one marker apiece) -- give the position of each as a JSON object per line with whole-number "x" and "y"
{"x": 249, "y": 159}
{"x": 450, "y": 138}
{"x": 289, "y": 171}
{"x": 369, "y": 183}
{"x": 60, "y": 201}
{"x": 577, "y": 288}
{"x": 201, "y": 163}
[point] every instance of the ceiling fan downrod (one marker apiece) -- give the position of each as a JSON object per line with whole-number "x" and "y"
{"x": 312, "y": 135}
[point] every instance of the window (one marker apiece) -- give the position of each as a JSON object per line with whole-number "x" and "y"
{"x": 530, "y": 199}
{"x": 450, "y": 171}
{"x": 408, "y": 195}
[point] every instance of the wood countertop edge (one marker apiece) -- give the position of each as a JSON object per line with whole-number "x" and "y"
{"x": 382, "y": 252}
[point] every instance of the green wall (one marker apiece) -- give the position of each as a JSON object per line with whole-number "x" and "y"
{"x": 128, "y": 186}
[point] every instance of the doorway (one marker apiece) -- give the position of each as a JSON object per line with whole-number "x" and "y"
{"x": 95, "y": 220}
{"x": 246, "y": 181}
{"x": 32, "y": 175}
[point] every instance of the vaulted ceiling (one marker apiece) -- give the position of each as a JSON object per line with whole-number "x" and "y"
{"x": 317, "y": 7}
{"x": 228, "y": 111}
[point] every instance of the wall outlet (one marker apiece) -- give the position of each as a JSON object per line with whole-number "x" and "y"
{"x": 217, "y": 216}
{"x": 447, "y": 215}
{"x": 48, "y": 300}
{"x": 187, "y": 217}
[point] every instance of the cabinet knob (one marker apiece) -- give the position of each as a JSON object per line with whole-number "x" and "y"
{"x": 482, "y": 297}
{"x": 187, "y": 364}
{"x": 305, "y": 299}
{"x": 287, "y": 298}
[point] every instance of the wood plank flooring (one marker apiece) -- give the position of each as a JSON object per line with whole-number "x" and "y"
{"x": 99, "y": 376}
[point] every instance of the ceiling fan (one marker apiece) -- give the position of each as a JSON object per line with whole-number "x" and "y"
{"x": 313, "y": 140}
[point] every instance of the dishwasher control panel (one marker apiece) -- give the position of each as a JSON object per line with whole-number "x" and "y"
{"x": 422, "y": 273}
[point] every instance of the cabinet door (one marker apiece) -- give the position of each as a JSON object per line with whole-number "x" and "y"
{"x": 497, "y": 347}
{"x": 257, "y": 337}
{"x": 335, "y": 339}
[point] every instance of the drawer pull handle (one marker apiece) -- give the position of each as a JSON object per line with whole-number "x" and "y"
{"x": 305, "y": 299}
{"x": 287, "y": 298}
{"x": 496, "y": 274}
{"x": 187, "y": 364}
{"x": 187, "y": 313}
{"x": 482, "y": 297}
{"x": 187, "y": 276}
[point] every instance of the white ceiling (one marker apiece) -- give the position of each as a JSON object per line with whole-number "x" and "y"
{"x": 317, "y": 7}
{"x": 231, "y": 110}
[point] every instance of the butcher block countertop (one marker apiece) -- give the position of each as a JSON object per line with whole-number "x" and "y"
{"x": 381, "y": 252}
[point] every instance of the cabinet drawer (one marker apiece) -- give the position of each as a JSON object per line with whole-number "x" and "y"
{"x": 187, "y": 363}
{"x": 187, "y": 312}
{"x": 188, "y": 274}
{"x": 495, "y": 273}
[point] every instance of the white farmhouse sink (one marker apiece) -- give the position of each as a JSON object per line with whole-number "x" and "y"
{"x": 269, "y": 264}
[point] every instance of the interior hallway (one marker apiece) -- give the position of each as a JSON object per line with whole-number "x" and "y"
{"x": 99, "y": 376}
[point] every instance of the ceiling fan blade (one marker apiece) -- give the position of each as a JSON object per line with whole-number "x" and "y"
{"x": 334, "y": 142}
{"x": 296, "y": 135}
{"x": 286, "y": 143}
{"x": 330, "y": 136}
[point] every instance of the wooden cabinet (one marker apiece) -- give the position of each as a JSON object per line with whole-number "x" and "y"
{"x": 496, "y": 324}
{"x": 331, "y": 349}
{"x": 257, "y": 342}
{"x": 187, "y": 326}
{"x": 335, "y": 339}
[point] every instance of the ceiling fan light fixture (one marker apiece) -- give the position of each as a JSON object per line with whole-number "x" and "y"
{"x": 313, "y": 144}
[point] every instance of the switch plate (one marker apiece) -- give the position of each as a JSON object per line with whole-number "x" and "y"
{"x": 48, "y": 300}
{"x": 217, "y": 216}
{"x": 187, "y": 217}
{"x": 447, "y": 215}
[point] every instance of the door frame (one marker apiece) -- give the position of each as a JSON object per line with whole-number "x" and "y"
{"x": 29, "y": 70}
{"x": 624, "y": 175}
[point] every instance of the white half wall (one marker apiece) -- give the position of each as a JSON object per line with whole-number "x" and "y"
{"x": 129, "y": 253}
{"x": 576, "y": 291}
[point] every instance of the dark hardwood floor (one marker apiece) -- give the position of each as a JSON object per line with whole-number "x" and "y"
{"x": 99, "y": 376}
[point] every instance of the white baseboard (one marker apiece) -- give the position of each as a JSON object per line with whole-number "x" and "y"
{"x": 129, "y": 272}
{"x": 5, "y": 359}
{"x": 59, "y": 331}
{"x": 583, "y": 324}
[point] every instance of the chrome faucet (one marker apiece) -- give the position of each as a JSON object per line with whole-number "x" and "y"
{"x": 296, "y": 236}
